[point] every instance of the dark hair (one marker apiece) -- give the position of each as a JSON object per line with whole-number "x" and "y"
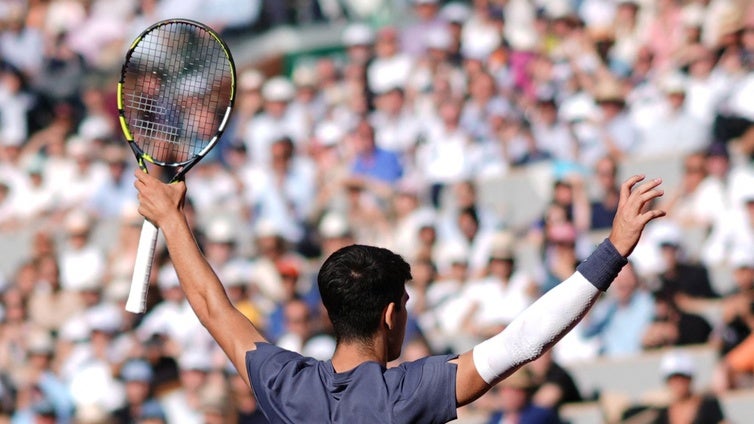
{"x": 356, "y": 283}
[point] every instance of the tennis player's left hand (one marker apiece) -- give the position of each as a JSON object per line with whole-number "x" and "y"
{"x": 633, "y": 213}
{"x": 159, "y": 202}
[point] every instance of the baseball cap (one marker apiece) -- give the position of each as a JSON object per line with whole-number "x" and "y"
{"x": 136, "y": 370}
{"x": 358, "y": 34}
{"x": 677, "y": 362}
{"x": 278, "y": 89}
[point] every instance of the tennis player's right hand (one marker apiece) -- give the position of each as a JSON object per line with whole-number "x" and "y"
{"x": 159, "y": 202}
{"x": 632, "y": 214}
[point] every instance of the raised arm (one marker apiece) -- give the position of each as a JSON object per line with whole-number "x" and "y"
{"x": 548, "y": 319}
{"x": 162, "y": 204}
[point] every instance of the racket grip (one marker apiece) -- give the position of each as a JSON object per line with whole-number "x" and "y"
{"x": 137, "y": 296}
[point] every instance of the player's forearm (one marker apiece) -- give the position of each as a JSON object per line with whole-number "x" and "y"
{"x": 550, "y": 318}
{"x": 198, "y": 280}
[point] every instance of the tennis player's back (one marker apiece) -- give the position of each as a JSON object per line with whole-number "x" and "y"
{"x": 291, "y": 388}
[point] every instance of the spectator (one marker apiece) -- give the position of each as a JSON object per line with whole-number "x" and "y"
{"x": 678, "y": 369}
{"x": 301, "y": 333}
{"x": 680, "y": 279}
{"x": 556, "y": 385}
{"x": 391, "y": 66}
{"x": 617, "y": 134}
{"x": 619, "y": 321}
{"x": 81, "y": 262}
{"x": 683, "y": 205}
{"x": 553, "y": 135}
{"x": 137, "y": 376}
{"x": 395, "y": 128}
{"x": 672, "y": 326}
{"x": 674, "y": 129}
{"x": 50, "y": 305}
{"x": 275, "y": 121}
{"x": 605, "y": 202}
{"x": 515, "y": 401}
{"x": 426, "y": 18}
{"x": 373, "y": 164}
{"x": 444, "y": 158}
{"x": 490, "y": 302}
{"x": 737, "y": 313}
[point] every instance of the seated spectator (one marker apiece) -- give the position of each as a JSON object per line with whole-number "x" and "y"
{"x": 672, "y": 326}
{"x": 556, "y": 386}
{"x": 372, "y": 163}
{"x": 739, "y": 363}
{"x": 137, "y": 375}
{"x": 681, "y": 279}
{"x": 683, "y": 203}
{"x": 620, "y": 320}
{"x": 683, "y": 403}
{"x": 560, "y": 254}
{"x": 737, "y": 311}
{"x": 302, "y": 332}
{"x": 489, "y": 303}
{"x": 605, "y": 203}
{"x": 514, "y": 396}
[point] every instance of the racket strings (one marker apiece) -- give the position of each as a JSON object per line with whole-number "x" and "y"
{"x": 177, "y": 88}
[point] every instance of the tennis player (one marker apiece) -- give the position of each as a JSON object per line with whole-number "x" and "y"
{"x": 363, "y": 289}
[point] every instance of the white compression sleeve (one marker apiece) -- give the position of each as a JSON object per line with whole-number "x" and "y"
{"x": 537, "y": 328}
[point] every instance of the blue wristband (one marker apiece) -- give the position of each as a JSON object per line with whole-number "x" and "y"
{"x": 602, "y": 266}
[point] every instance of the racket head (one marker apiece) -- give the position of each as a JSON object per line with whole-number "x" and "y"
{"x": 176, "y": 93}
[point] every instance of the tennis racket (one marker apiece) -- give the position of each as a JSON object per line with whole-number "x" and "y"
{"x": 175, "y": 95}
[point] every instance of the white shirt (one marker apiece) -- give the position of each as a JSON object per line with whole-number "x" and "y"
{"x": 496, "y": 302}
{"x": 387, "y": 72}
{"x": 265, "y": 129}
{"x": 81, "y": 267}
{"x": 177, "y": 321}
{"x": 395, "y": 133}
{"x": 444, "y": 157}
{"x": 676, "y": 132}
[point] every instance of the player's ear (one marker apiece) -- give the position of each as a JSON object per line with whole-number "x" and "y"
{"x": 389, "y": 317}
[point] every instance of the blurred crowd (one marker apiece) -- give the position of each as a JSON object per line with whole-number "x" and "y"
{"x": 388, "y": 143}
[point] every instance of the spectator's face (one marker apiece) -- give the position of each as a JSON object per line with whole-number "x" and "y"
{"x": 563, "y": 195}
{"x": 136, "y": 391}
{"x": 626, "y": 13}
{"x": 275, "y": 108}
{"x": 717, "y": 165}
{"x": 547, "y": 113}
{"x": 669, "y": 254}
{"x": 744, "y": 277}
{"x": 450, "y": 112}
{"x": 423, "y": 274}
{"x": 625, "y": 284}
{"x": 513, "y": 399}
{"x": 605, "y": 172}
{"x": 390, "y": 102}
{"x": 387, "y": 44}
{"x": 482, "y": 87}
{"x": 468, "y": 226}
{"x": 363, "y": 138}
{"x": 693, "y": 171}
{"x": 426, "y": 11}
{"x": 298, "y": 318}
{"x": 679, "y": 387}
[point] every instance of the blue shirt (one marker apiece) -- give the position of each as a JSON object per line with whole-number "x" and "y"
{"x": 291, "y": 388}
{"x": 381, "y": 165}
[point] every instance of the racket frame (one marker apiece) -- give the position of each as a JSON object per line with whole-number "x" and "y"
{"x": 137, "y": 298}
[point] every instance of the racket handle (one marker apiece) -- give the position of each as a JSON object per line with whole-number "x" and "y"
{"x": 137, "y": 297}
